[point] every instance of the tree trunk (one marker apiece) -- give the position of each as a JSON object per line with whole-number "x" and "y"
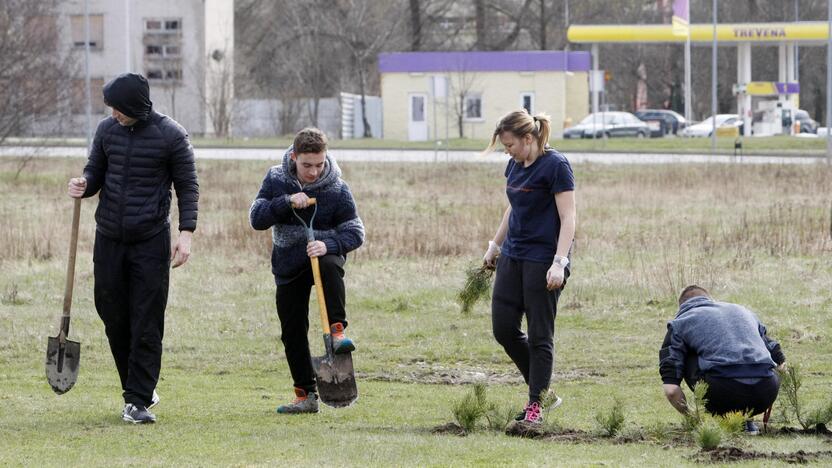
{"x": 479, "y": 18}
{"x": 368, "y": 133}
{"x": 543, "y": 23}
{"x": 415, "y": 25}
{"x": 460, "y": 115}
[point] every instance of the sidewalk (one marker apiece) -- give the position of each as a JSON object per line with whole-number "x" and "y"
{"x": 427, "y": 156}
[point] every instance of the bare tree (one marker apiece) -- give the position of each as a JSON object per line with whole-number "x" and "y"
{"x": 33, "y": 69}
{"x": 363, "y": 28}
{"x": 462, "y": 83}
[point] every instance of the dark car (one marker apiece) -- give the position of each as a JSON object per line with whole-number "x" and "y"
{"x": 662, "y": 121}
{"x": 610, "y": 124}
{"x": 807, "y": 125}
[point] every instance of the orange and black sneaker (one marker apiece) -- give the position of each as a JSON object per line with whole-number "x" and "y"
{"x": 340, "y": 343}
{"x": 304, "y": 402}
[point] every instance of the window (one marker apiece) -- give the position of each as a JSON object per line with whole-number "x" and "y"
{"x": 171, "y": 74}
{"x": 153, "y": 50}
{"x": 79, "y": 33}
{"x": 527, "y": 102}
{"x": 78, "y": 103}
{"x": 473, "y": 107}
{"x": 172, "y": 50}
{"x": 162, "y": 25}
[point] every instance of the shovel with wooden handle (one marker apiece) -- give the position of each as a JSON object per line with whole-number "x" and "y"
{"x": 334, "y": 372}
{"x": 62, "y": 354}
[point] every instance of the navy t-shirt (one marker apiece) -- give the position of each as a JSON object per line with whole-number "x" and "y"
{"x": 534, "y": 223}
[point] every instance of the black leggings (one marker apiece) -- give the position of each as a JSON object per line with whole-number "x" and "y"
{"x": 520, "y": 289}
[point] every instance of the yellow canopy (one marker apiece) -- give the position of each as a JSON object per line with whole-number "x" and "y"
{"x": 808, "y": 32}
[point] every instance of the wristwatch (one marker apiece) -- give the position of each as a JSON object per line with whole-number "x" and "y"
{"x": 561, "y": 261}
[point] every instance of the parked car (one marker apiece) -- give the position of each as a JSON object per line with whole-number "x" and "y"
{"x": 661, "y": 121}
{"x": 611, "y": 124}
{"x": 706, "y": 127}
{"x": 807, "y": 124}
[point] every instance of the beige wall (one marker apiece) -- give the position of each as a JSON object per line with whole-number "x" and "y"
{"x": 555, "y": 93}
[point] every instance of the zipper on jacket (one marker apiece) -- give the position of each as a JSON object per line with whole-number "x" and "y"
{"x": 124, "y": 180}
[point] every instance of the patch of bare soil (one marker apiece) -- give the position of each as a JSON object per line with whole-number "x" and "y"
{"x": 820, "y": 429}
{"x": 534, "y": 431}
{"x": 422, "y": 372}
{"x": 450, "y": 428}
{"x": 734, "y": 454}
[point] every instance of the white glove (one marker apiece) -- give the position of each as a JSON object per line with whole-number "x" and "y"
{"x": 554, "y": 277}
{"x": 490, "y": 257}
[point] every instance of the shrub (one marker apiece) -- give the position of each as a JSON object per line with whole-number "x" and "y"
{"x": 790, "y": 383}
{"x": 611, "y": 421}
{"x": 471, "y": 408}
{"x": 732, "y": 423}
{"x": 708, "y": 435}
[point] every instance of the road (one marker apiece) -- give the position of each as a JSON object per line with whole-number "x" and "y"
{"x": 426, "y": 156}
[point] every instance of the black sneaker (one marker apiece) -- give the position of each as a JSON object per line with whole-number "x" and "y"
{"x": 137, "y": 414}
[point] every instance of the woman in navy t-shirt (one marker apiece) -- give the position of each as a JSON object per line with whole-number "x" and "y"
{"x": 531, "y": 250}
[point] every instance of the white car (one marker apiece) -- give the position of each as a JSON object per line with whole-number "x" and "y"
{"x": 706, "y": 127}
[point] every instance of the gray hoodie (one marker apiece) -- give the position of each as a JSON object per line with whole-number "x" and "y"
{"x": 728, "y": 340}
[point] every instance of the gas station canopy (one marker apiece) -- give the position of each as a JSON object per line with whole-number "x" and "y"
{"x": 800, "y": 33}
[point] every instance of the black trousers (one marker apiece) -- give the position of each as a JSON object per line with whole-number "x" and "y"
{"x": 292, "y": 302}
{"x": 725, "y": 395}
{"x": 131, "y": 293}
{"x": 520, "y": 289}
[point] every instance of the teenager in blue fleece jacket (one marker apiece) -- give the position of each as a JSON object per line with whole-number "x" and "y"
{"x": 307, "y": 172}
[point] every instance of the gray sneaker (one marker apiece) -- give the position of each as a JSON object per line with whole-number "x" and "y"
{"x": 137, "y": 414}
{"x": 154, "y": 400}
{"x": 303, "y": 403}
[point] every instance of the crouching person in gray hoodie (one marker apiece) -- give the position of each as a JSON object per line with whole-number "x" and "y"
{"x": 724, "y": 345}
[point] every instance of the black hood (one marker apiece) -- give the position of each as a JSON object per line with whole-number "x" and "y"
{"x": 129, "y": 94}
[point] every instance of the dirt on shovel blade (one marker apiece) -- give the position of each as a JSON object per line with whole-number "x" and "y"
{"x": 62, "y": 373}
{"x": 336, "y": 380}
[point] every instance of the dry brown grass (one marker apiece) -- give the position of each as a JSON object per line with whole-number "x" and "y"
{"x": 660, "y": 221}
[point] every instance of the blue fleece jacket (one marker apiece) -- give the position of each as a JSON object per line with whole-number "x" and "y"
{"x": 728, "y": 339}
{"x": 336, "y": 222}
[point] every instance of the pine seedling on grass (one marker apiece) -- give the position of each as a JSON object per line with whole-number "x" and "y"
{"x": 477, "y": 287}
{"x": 498, "y": 417}
{"x": 611, "y": 421}
{"x": 708, "y": 435}
{"x": 733, "y": 423}
{"x": 471, "y": 408}
{"x": 696, "y": 407}
{"x": 790, "y": 383}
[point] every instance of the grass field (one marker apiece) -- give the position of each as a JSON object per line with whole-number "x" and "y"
{"x": 776, "y": 145}
{"x": 757, "y": 235}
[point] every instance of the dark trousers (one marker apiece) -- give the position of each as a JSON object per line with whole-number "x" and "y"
{"x": 725, "y": 394}
{"x": 292, "y": 301}
{"x": 131, "y": 293}
{"x": 520, "y": 289}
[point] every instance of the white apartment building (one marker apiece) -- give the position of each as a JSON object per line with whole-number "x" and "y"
{"x": 185, "y": 48}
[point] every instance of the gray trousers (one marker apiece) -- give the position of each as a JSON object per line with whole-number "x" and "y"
{"x": 520, "y": 289}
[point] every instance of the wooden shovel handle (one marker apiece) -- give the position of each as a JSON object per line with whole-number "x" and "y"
{"x": 70, "y": 267}
{"x": 319, "y": 289}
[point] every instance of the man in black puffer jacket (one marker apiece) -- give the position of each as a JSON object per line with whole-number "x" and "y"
{"x": 135, "y": 157}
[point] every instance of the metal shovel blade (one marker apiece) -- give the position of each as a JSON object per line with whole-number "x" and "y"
{"x": 62, "y": 364}
{"x": 336, "y": 379}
